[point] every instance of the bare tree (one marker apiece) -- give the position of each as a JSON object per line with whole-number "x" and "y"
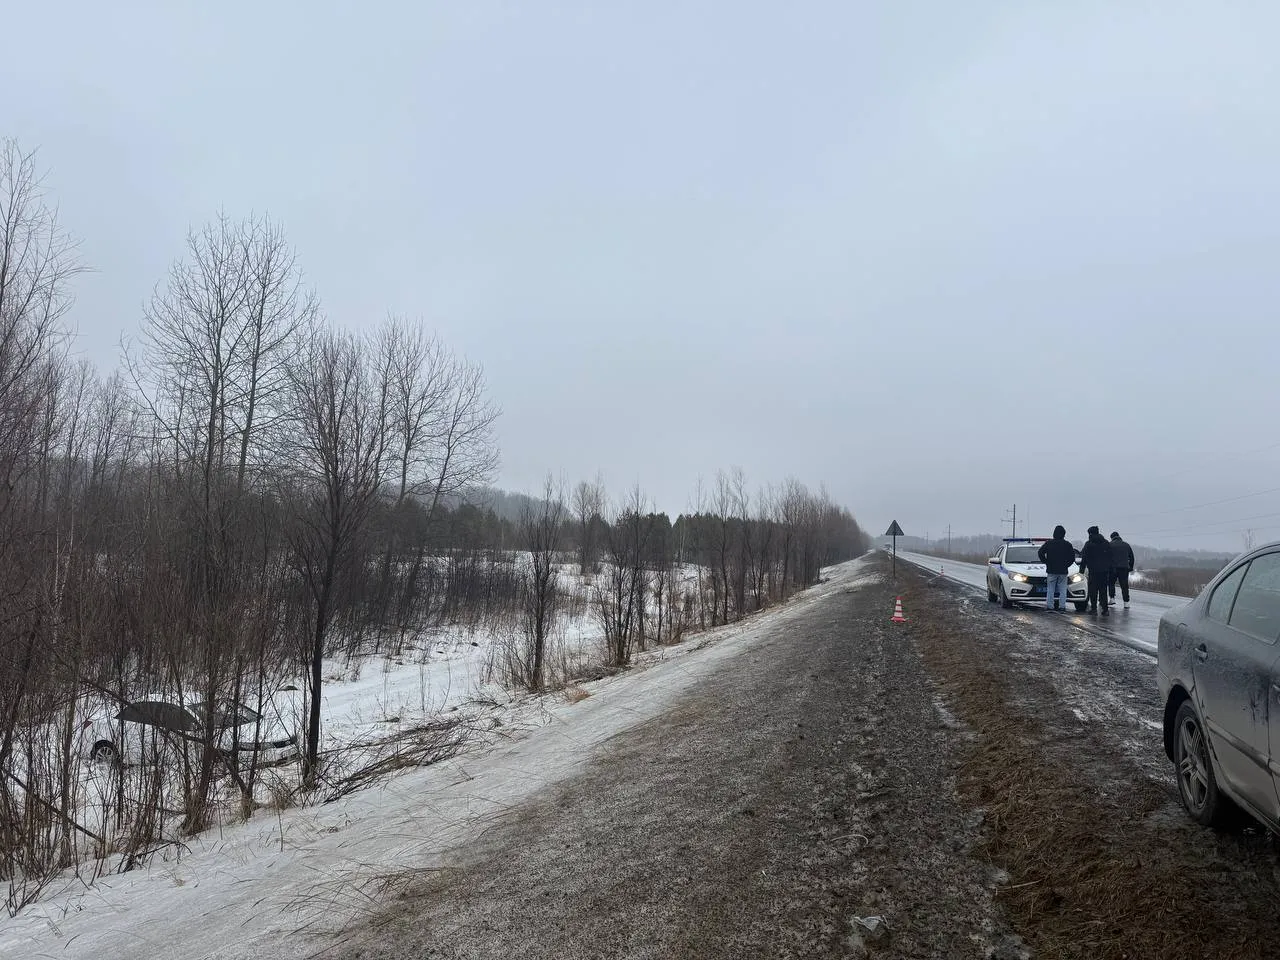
{"x": 440, "y": 442}
{"x": 744, "y": 557}
{"x": 338, "y": 448}
{"x": 216, "y": 342}
{"x": 662, "y": 568}
{"x": 622, "y": 598}
{"x": 541, "y": 526}
{"x": 722, "y": 502}
{"x": 277, "y": 309}
{"x": 789, "y": 508}
{"x": 764, "y": 548}
{"x": 460, "y": 452}
{"x": 588, "y": 510}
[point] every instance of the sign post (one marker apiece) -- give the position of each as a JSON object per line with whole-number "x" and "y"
{"x": 895, "y": 531}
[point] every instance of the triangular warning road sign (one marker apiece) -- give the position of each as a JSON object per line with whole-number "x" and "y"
{"x": 894, "y": 530}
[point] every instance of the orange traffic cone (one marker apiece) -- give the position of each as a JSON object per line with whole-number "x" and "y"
{"x": 897, "y": 611}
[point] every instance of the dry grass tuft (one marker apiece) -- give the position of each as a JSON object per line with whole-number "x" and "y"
{"x": 417, "y": 746}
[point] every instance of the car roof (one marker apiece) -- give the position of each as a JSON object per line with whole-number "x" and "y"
{"x": 160, "y": 713}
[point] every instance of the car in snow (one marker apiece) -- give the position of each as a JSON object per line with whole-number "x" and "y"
{"x": 149, "y": 729}
{"x": 1218, "y": 671}
{"x": 1016, "y": 575}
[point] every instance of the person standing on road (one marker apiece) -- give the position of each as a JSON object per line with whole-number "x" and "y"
{"x": 1121, "y": 567}
{"x": 1057, "y": 555}
{"x": 1095, "y": 559}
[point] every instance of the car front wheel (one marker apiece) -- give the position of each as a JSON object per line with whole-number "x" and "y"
{"x": 1197, "y": 783}
{"x": 991, "y": 596}
{"x": 1004, "y": 599}
{"x": 104, "y": 751}
{"x": 1081, "y": 605}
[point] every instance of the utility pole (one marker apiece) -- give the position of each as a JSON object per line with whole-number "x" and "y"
{"x": 948, "y": 539}
{"x": 1013, "y": 520}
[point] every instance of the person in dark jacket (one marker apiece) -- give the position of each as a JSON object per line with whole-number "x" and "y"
{"x": 1095, "y": 559}
{"x": 1121, "y": 567}
{"x": 1057, "y": 555}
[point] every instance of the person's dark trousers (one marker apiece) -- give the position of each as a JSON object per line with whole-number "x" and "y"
{"x": 1121, "y": 577}
{"x": 1111, "y": 585}
{"x": 1098, "y": 590}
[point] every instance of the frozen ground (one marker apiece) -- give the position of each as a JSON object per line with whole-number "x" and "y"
{"x": 264, "y": 881}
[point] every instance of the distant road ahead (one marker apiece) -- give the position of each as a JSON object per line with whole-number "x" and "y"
{"x": 1135, "y": 627}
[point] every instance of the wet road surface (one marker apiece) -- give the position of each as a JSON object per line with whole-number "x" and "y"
{"x": 1135, "y": 627}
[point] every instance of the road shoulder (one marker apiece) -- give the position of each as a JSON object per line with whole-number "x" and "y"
{"x": 1079, "y": 804}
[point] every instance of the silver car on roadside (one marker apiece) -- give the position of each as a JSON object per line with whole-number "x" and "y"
{"x": 1219, "y": 676}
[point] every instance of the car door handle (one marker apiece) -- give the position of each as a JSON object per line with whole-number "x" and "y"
{"x": 1202, "y": 652}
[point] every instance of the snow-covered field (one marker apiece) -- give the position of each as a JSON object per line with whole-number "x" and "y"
{"x": 264, "y": 887}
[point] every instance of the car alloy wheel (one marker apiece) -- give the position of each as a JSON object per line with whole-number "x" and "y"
{"x": 1193, "y": 764}
{"x": 104, "y": 751}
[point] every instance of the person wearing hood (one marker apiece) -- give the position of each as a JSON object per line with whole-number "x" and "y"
{"x": 1057, "y": 555}
{"x": 1095, "y": 559}
{"x": 1121, "y": 567}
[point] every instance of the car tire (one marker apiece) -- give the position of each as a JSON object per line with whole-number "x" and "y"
{"x": 1081, "y": 605}
{"x": 104, "y": 751}
{"x": 991, "y": 597}
{"x": 1004, "y": 599}
{"x": 1193, "y": 769}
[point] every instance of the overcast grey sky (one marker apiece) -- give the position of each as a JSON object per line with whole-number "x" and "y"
{"x": 942, "y": 257}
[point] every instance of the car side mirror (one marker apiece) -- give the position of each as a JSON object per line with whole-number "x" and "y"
{"x": 994, "y": 560}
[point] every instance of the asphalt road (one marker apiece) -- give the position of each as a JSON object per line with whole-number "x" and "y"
{"x": 1135, "y": 627}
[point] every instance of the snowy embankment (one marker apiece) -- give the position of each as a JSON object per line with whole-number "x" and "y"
{"x": 262, "y": 887}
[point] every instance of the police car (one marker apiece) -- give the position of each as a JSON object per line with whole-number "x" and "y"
{"x": 1016, "y": 575}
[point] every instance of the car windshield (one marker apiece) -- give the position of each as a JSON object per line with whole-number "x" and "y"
{"x": 1022, "y": 554}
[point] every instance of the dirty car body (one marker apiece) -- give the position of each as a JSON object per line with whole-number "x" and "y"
{"x": 1219, "y": 678}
